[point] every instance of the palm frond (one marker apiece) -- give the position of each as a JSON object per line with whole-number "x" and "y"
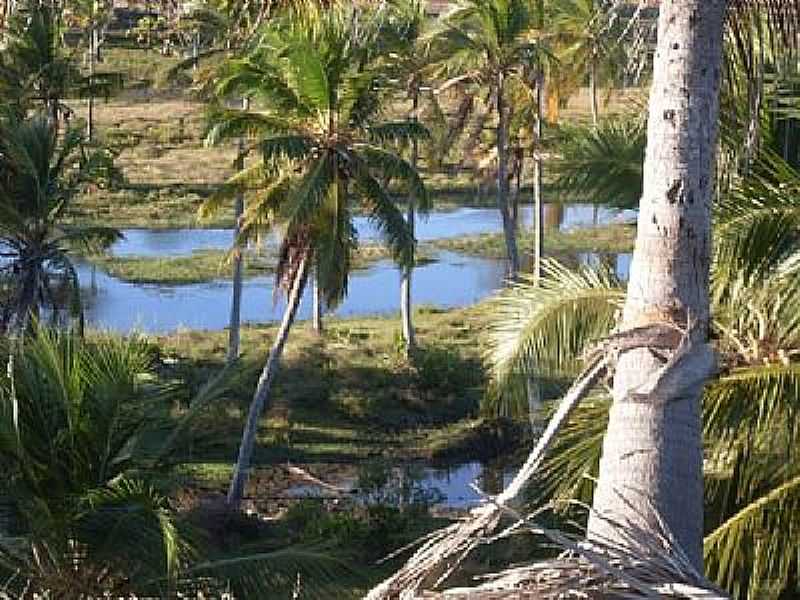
{"x": 603, "y": 164}
{"x": 541, "y": 330}
{"x": 756, "y": 552}
{"x": 258, "y": 574}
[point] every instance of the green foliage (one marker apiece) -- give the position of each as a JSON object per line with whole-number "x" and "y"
{"x": 314, "y": 81}
{"x": 750, "y": 410}
{"x": 40, "y": 173}
{"x": 603, "y": 163}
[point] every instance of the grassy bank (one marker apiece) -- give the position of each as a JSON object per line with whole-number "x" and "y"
{"x": 208, "y": 265}
{"x": 603, "y": 238}
{"x": 350, "y": 394}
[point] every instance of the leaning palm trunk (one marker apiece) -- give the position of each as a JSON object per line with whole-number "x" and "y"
{"x": 509, "y": 227}
{"x": 234, "y": 334}
{"x": 317, "y": 308}
{"x": 405, "y": 282}
{"x": 651, "y": 466}
{"x": 261, "y": 396}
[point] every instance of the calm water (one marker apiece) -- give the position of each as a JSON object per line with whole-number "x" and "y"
{"x": 121, "y": 306}
{"x": 438, "y": 225}
{"x": 449, "y": 487}
{"x": 454, "y": 280}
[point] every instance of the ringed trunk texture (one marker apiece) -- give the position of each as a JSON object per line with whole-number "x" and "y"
{"x": 651, "y": 466}
{"x": 261, "y": 396}
{"x": 509, "y": 227}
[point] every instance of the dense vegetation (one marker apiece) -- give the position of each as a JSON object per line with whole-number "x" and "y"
{"x": 295, "y": 119}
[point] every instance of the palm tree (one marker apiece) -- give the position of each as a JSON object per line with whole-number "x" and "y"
{"x": 317, "y": 93}
{"x": 602, "y": 162}
{"x": 584, "y": 38}
{"x": 38, "y": 180}
{"x": 34, "y": 69}
{"x": 87, "y": 442}
{"x": 407, "y": 64}
{"x": 749, "y": 410}
{"x": 488, "y": 42}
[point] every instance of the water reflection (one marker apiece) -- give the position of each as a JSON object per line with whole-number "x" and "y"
{"x": 454, "y": 280}
{"x": 438, "y": 225}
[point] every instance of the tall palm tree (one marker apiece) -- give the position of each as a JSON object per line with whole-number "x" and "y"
{"x": 38, "y": 180}
{"x": 488, "y": 43}
{"x": 35, "y": 71}
{"x": 749, "y": 410}
{"x": 584, "y": 37}
{"x": 408, "y": 64}
{"x": 316, "y": 91}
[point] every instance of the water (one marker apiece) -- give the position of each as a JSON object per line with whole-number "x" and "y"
{"x": 445, "y": 487}
{"x": 454, "y": 280}
{"x": 438, "y": 225}
{"x": 117, "y": 305}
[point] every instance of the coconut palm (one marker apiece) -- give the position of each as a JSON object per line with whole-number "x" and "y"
{"x": 35, "y": 72}
{"x": 38, "y": 180}
{"x": 489, "y": 43}
{"x": 585, "y": 43}
{"x": 752, "y": 485}
{"x": 315, "y": 94}
{"x": 407, "y": 64}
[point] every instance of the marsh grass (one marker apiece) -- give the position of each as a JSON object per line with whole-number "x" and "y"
{"x": 602, "y": 238}
{"x": 208, "y": 265}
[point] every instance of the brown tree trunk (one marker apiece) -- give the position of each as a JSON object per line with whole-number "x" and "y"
{"x": 241, "y": 470}
{"x": 509, "y": 227}
{"x": 651, "y": 466}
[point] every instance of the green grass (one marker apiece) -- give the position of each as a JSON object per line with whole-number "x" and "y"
{"x": 350, "y": 394}
{"x": 603, "y": 238}
{"x": 208, "y": 265}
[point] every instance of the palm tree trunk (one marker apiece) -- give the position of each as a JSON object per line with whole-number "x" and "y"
{"x": 234, "y": 330}
{"x": 90, "y": 99}
{"x": 509, "y": 228}
{"x": 651, "y": 466}
{"x": 538, "y": 206}
{"x": 405, "y": 282}
{"x": 317, "y": 312}
{"x": 261, "y": 396}
{"x": 593, "y": 89}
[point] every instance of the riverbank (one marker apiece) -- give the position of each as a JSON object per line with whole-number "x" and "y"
{"x": 207, "y": 265}
{"x": 613, "y": 239}
{"x": 203, "y": 266}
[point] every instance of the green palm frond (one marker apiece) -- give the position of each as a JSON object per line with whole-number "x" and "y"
{"x": 130, "y": 510}
{"x": 230, "y": 124}
{"x": 573, "y": 464}
{"x": 757, "y": 222}
{"x": 392, "y": 166}
{"x": 756, "y": 552}
{"x": 286, "y": 147}
{"x": 541, "y": 330}
{"x": 603, "y": 164}
{"x": 398, "y": 132}
{"x": 383, "y": 213}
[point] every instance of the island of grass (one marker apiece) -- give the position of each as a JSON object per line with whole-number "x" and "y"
{"x": 203, "y": 266}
